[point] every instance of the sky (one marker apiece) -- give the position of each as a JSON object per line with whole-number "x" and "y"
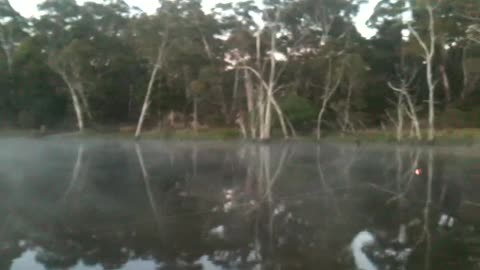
{"x": 28, "y": 8}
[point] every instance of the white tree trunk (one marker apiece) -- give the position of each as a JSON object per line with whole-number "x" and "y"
{"x": 146, "y": 102}
{"x": 429, "y": 52}
{"x": 261, "y": 101}
{"x": 240, "y": 121}
{"x": 7, "y": 47}
{"x": 75, "y": 101}
{"x": 409, "y": 108}
{"x": 233, "y": 108}
{"x": 329, "y": 92}
{"x": 78, "y": 110}
{"x": 400, "y": 117}
{"x": 347, "y": 124}
{"x": 320, "y": 118}
{"x": 84, "y": 100}
{"x": 431, "y": 102}
{"x": 250, "y": 104}
{"x": 269, "y": 89}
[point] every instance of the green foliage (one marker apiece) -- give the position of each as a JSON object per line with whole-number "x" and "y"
{"x": 109, "y": 51}
{"x": 300, "y": 111}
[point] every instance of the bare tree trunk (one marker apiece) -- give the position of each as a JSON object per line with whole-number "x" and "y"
{"x": 400, "y": 116}
{"x": 240, "y": 121}
{"x": 431, "y": 85}
{"x": 76, "y": 103}
{"x": 320, "y": 118}
{"x": 410, "y": 107}
{"x": 271, "y": 81}
{"x": 233, "y": 109}
{"x": 446, "y": 84}
{"x": 416, "y": 126}
{"x": 280, "y": 116}
{"x": 7, "y": 48}
{"x": 260, "y": 120}
{"x": 146, "y": 102}
{"x": 264, "y": 98}
{"x": 261, "y": 101}
{"x": 328, "y": 94}
{"x": 346, "y": 112}
{"x": 77, "y": 84}
{"x": 84, "y": 100}
{"x": 208, "y": 51}
{"x": 429, "y": 52}
{"x": 250, "y": 104}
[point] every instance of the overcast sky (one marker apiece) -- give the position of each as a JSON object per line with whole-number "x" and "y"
{"x": 28, "y": 8}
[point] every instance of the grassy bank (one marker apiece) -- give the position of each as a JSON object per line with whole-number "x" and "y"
{"x": 443, "y": 137}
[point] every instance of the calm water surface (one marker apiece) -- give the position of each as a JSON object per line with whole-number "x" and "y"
{"x": 181, "y": 205}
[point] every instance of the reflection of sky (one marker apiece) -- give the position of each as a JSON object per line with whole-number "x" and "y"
{"x": 28, "y": 8}
{"x": 207, "y": 264}
{"x": 27, "y": 262}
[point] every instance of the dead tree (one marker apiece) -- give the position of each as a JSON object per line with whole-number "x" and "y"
{"x": 331, "y": 87}
{"x": 261, "y": 101}
{"x": 428, "y": 53}
{"x": 405, "y": 104}
{"x": 157, "y": 66}
{"x": 345, "y": 121}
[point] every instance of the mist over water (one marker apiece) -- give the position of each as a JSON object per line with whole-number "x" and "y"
{"x": 98, "y": 204}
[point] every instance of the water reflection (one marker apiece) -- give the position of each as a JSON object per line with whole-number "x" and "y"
{"x": 157, "y": 205}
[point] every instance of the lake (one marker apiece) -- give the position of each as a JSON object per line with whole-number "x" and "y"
{"x": 113, "y": 204}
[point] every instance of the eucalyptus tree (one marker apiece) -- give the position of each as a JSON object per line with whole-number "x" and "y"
{"x": 69, "y": 50}
{"x": 180, "y": 42}
{"x": 83, "y": 44}
{"x": 150, "y": 35}
{"x": 320, "y": 33}
{"x": 13, "y": 29}
{"x": 237, "y": 22}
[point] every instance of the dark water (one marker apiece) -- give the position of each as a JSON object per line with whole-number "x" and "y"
{"x": 165, "y": 205}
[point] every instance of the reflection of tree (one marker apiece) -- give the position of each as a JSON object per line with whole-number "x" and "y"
{"x": 285, "y": 215}
{"x": 148, "y": 188}
{"x": 76, "y": 172}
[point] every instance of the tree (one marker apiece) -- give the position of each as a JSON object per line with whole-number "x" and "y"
{"x": 157, "y": 65}
{"x": 428, "y": 46}
{"x": 405, "y": 103}
{"x": 12, "y": 31}
{"x": 334, "y": 78}
{"x": 69, "y": 51}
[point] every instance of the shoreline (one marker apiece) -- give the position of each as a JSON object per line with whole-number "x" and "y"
{"x": 446, "y": 137}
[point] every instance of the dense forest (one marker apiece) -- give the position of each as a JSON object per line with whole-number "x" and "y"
{"x": 287, "y": 67}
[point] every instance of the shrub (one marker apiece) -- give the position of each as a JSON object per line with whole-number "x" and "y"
{"x": 300, "y": 111}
